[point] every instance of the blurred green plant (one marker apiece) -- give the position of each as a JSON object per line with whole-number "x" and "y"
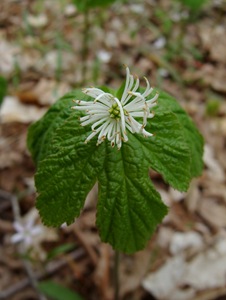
{"x": 59, "y": 60}
{"x": 60, "y": 250}
{"x": 3, "y": 88}
{"x": 212, "y": 107}
{"x": 166, "y": 22}
{"x": 27, "y": 27}
{"x": 194, "y": 5}
{"x": 16, "y": 73}
{"x": 85, "y": 5}
{"x": 57, "y": 292}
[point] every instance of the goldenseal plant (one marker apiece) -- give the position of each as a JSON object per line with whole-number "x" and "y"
{"x": 113, "y": 138}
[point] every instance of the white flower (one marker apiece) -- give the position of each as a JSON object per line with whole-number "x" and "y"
{"x": 26, "y": 232}
{"x": 112, "y": 117}
{"x": 160, "y": 43}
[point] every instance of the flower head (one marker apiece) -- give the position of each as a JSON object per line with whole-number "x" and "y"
{"x": 110, "y": 118}
{"x": 26, "y": 232}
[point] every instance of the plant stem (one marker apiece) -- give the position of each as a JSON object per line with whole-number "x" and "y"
{"x": 85, "y": 46}
{"x": 116, "y": 275}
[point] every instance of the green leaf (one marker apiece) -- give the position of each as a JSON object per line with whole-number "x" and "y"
{"x": 167, "y": 152}
{"x": 129, "y": 208}
{"x": 60, "y": 250}
{"x": 3, "y": 88}
{"x": 65, "y": 177}
{"x": 193, "y": 138}
{"x": 57, "y": 292}
{"x": 120, "y": 90}
{"x": 40, "y": 133}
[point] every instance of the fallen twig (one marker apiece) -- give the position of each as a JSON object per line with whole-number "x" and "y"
{"x": 51, "y": 268}
{"x": 5, "y": 200}
{"x": 22, "y": 250}
{"x": 90, "y": 251}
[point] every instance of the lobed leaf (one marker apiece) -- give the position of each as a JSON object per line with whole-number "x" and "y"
{"x": 167, "y": 151}
{"x": 193, "y": 138}
{"x": 129, "y": 208}
{"x": 40, "y": 133}
{"x": 65, "y": 178}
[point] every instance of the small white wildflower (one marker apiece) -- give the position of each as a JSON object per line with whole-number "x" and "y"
{"x": 25, "y": 232}
{"x": 104, "y": 56}
{"x": 111, "y": 117}
{"x": 70, "y": 10}
{"x": 160, "y": 43}
{"x": 163, "y": 72}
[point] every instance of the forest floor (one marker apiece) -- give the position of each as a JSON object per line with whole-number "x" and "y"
{"x": 45, "y": 52}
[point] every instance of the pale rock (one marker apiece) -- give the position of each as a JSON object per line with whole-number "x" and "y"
{"x": 223, "y": 126}
{"x": 215, "y": 170}
{"x": 202, "y": 228}
{"x": 175, "y": 195}
{"x": 137, "y": 8}
{"x": 212, "y": 76}
{"x": 213, "y": 212}
{"x": 205, "y": 271}
{"x": 217, "y": 3}
{"x": 70, "y": 10}
{"x": 117, "y": 24}
{"x": 193, "y": 196}
{"x": 8, "y": 57}
{"x": 213, "y": 39}
{"x": 187, "y": 240}
{"x": 166, "y": 280}
{"x": 111, "y": 39}
{"x": 50, "y": 61}
{"x": 164, "y": 196}
{"x": 178, "y": 16}
{"x": 208, "y": 269}
{"x": 218, "y": 43}
{"x": 164, "y": 236}
{"x": 48, "y": 91}
{"x": 37, "y": 21}
{"x": 221, "y": 246}
{"x": 14, "y": 111}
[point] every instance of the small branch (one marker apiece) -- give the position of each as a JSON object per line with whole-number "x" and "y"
{"x": 85, "y": 45}
{"x": 116, "y": 274}
{"x": 6, "y": 226}
{"x": 5, "y": 200}
{"x": 90, "y": 251}
{"x": 22, "y": 250}
{"x": 16, "y": 208}
{"x": 51, "y": 268}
